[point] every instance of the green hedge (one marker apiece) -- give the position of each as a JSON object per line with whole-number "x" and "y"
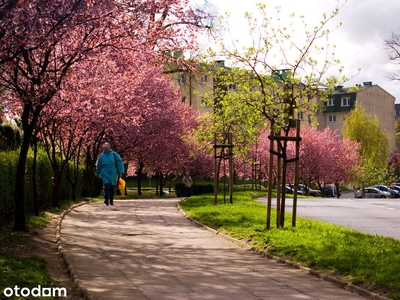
{"x": 44, "y": 181}
{"x": 179, "y": 189}
{"x": 197, "y": 189}
{"x": 208, "y": 188}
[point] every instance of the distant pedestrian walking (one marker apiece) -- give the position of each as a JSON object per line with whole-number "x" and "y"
{"x": 110, "y": 168}
{"x": 188, "y": 182}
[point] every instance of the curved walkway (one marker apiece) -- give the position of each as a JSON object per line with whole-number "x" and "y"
{"x": 147, "y": 249}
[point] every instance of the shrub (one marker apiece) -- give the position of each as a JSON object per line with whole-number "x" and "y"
{"x": 179, "y": 189}
{"x": 8, "y": 162}
{"x": 199, "y": 189}
{"x": 44, "y": 182}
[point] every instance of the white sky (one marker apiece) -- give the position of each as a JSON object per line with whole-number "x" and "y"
{"x": 359, "y": 41}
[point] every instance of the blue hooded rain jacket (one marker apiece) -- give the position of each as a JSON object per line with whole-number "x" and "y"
{"x": 109, "y": 166}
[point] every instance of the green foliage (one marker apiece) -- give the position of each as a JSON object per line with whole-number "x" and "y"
{"x": 200, "y": 189}
{"x": 280, "y": 72}
{"x": 231, "y": 112}
{"x": 374, "y": 146}
{"x": 26, "y": 272}
{"x": 398, "y": 135}
{"x": 44, "y": 182}
{"x": 10, "y": 137}
{"x": 369, "y": 260}
{"x": 37, "y": 221}
{"x": 8, "y": 162}
{"x": 179, "y": 189}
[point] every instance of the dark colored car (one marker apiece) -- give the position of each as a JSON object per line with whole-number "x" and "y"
{"x": 329, "y": 190}
{"x": 288, "y": 190}
{"x": 301, "y": 189}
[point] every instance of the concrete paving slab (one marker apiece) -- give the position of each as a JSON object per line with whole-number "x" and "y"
{"x": 147, "y": 249}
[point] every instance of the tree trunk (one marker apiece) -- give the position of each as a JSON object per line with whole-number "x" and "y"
{"x": 89, "y": 173}
{"x": 19, "y": 190}
{"x": 74, "y": 178}
{"x": 29, "y": 119}
{"x": 34, "y": 184}
{"x": 156, "y": 179}
{"x": 139, "y": 178}
{"x": 56, "y": 185}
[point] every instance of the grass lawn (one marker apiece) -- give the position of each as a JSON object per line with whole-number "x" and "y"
{"x": 362, "y": 259}
{"x": 17, "y": 265}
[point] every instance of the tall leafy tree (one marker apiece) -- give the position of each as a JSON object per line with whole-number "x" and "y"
{"x": 42, "y": 40}
{"x": 374, "y": 146}
{"x": 285, "y": 70}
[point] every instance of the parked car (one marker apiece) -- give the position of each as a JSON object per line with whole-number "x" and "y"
{"x": 288, "y": 189}
{"x": 396, "y": 188}
{"x": 330, "y": 190}
{"x": 301, "y": 189}
{"x": 392, "y": 192}
{"x": 372, "y": 192}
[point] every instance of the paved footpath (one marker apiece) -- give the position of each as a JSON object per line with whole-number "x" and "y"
{"x": 147, "y": 249}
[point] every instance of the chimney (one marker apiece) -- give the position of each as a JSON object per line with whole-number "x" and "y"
{"x": 367, "y": 83}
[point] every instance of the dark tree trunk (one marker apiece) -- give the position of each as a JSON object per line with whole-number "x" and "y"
{"x": 156, "y": 179}
{"x": 56, "y": 185}
{"x": 73, "y": 176}
{"x": 139, "y": 178}
{"x": 89, "y": 174}
{"x": 19, "y": 191}
{"x": 34, "y": 184}
{"x": 28, "y": 124}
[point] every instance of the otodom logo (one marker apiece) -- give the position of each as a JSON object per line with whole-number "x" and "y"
{"x": 38, "y": 291}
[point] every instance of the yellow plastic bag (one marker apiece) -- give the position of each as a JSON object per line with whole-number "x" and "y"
{"x": 121, "y": 186}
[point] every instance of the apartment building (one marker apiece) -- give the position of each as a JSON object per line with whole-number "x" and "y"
{"x": 375, "y": 101}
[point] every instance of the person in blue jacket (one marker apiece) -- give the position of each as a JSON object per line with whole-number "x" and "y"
{"x": 110, "y": 168}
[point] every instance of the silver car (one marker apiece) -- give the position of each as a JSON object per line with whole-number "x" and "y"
{"x": 372, "y": 192}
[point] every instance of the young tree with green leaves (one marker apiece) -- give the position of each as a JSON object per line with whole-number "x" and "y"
{"x": 282, "y": 73}
{"x": 374, "y": 147}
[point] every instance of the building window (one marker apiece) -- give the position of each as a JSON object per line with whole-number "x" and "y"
{"x": 204, "y": 102}
{"x": 183, "y": 99}
{"x": 300, "y": 115}
{"x": 182, "y": 79}
{"x": 331, "y": 102}
{"x": 345, "y": 101}
{"x": 204, "y": 78}
{"x": 332, "y": 118}
{"x": 232, "y": 87}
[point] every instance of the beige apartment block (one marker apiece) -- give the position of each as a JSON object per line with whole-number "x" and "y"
{"x": 375, "y": 100}
{"x": 196, "y": 87}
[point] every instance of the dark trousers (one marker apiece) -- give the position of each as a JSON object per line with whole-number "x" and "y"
{"x": 109, "y": 192}
{"x": 188, "y": 191}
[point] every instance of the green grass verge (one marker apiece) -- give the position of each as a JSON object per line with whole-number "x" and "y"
{"x": 365, "y": 260}
{"x": 17, "y": 266}
{"x": 24, "y": 272}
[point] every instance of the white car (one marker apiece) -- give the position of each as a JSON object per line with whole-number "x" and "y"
{"x": 372, "y": 192}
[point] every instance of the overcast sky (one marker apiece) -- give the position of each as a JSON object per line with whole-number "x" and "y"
{"x": 359, "y": 41}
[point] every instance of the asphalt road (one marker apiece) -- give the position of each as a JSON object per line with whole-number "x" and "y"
{"x": 374, "y": 216}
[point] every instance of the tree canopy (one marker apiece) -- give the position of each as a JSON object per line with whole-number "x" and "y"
{"x": 374, "y": 146}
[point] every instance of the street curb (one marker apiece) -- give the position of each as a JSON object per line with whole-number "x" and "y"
{"x": 338, "y": 282}
{"x": 75, "y": 279}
